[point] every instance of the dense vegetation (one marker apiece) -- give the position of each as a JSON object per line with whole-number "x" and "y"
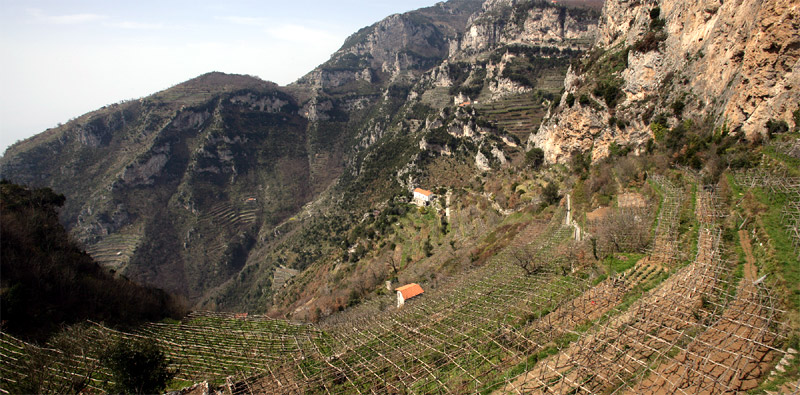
{"x": 48, "y": 281}
{"x": 138, "y": 366}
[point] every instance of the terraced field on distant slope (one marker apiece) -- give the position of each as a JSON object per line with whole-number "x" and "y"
{"x": 518, "y": 114}
{"x": 114, "y": 251}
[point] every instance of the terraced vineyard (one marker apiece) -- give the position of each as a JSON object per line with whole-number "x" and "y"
{"x": 665, "y": 247}
{"x": 204, "y": 346}
{"x": 518, "y": 114}
{"x": 230, "y": 217}
{"x": 777, "y": 182}
{"x": 114, "y": 251}
{"x": 529, "y": 320}
{"x": 459, "y": 337}
{"x": 699, "y": 332}
{"x": 281, "y": 276}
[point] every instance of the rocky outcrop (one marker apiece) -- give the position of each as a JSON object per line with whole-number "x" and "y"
{"x": 508, "y": 22}
{"x": 143, "y": 173}
{"x": 412, "y": 42}
{"x": 268, "y": 104}
{"x": 736, "y": 62}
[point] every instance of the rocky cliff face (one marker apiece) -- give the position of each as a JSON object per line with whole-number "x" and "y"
{"x": 736, "y": 62}
{"x": 507, "y": 22}
{"x": 392, "y": 48}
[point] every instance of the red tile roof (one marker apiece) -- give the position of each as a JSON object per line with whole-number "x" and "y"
{"x": 409, "y": 291}
{"x": 423, "y": 191}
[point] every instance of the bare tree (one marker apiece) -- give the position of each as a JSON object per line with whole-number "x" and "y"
{"x": 622, "y": 230}
{"x": 526, "y": 259}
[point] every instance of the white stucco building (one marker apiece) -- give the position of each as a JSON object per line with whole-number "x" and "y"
{"x": 422, "y": 197}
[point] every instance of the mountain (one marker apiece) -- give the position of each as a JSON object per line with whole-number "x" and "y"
{"x": 194, "y": 187}
{"x": 418, "y": 127}
{"x": 169, "y": 189}
{"x": 243, "y": 195}
{"x": 613, "y": 204}
{"x": 175, "y": 189}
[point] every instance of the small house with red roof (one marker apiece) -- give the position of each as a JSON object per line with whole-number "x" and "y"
{"x": 422, "y": 197}
{"x": 407, "y": 292}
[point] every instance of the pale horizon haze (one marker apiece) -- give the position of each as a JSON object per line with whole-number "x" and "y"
{"x": 62, "y": 59}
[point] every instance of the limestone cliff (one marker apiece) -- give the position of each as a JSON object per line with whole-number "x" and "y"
{"x": 504, "y": 32}
{"x": 733, "y": 62}
{"x": 397, "y": 45}
{"x": 506, "y": 22}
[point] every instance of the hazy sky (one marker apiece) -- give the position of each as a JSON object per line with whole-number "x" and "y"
{"x": 61, "y": 59}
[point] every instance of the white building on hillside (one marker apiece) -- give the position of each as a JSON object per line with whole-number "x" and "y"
{"x": 422, "y": 197}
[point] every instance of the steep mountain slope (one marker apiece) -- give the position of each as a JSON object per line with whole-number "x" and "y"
{"x": 176, "y": 189}
{"x": 187, "y": 176}
{"x": 198, "y": 189}
{"x": 734, "y": 65}
{"x": 422, "y": 130}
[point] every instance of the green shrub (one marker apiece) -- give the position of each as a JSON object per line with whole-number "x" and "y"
{"x": 649, "y": 42}
{"x": 675, "y": 137}
{"x": 550, "y": 193}
{"x": 659, "y": 131}
{"x": 677, "y": 107}
{"x": 657, "y": 24}
{"x": 610, "y": 91}
{"x": 655, "y": 13}
{"x": 743, "y": 159}
{"x": 535, "y": 157}
{"x": 138, "y": 366}
{"x": 581, "y": 163}
{"x": 659, "y": 126}
{"x": 661, "y": 119}
{"x": 796, "y": 116}
{"x": 615, "y": 149}
{"x": 571, "y": 100}
{"x": 776, "y": 127}
{"x": 428, "y": 247}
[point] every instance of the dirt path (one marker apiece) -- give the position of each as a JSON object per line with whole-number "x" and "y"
{"x": 750, "y": 269}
